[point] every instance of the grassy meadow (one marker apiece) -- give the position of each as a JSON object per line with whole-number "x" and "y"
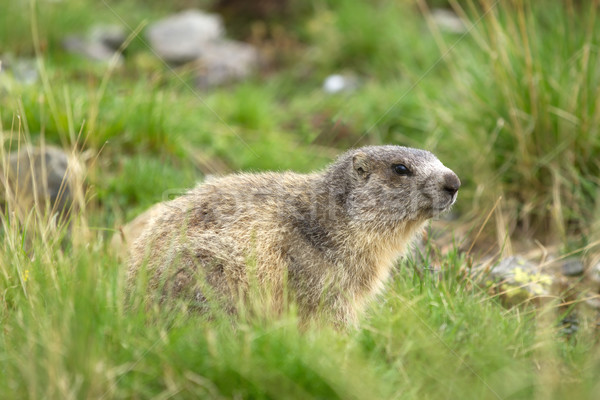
{"x": 512, "y": 105}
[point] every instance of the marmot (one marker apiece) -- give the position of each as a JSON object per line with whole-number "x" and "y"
{"x": 326, "y": 240}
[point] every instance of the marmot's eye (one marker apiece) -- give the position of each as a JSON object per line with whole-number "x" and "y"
{"x": 401, "y": 169}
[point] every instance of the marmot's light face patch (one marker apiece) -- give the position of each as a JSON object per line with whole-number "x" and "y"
{"x": 403, "y": 184}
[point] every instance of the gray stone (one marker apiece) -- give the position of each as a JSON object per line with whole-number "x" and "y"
{"x": 25, "y": 71}
{"x": 224, "y": 61}
{"x": 101, "y": 43}
{"x": 569, "y": 324}
{"x": 572, "y": 267}
{"x": 448, "y": 21}
{"x": 111, "y": 36}
{"x": 520, "y": 280}
{"x": 39, "y": 177}
{"x": 182, "y": 37}
{"x": 22, "y": 70}
{"x": 505, "y": 269}
{"x": 93, "y": 50}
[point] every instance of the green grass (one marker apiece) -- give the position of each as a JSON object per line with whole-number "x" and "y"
{"x": 69, "y": 332}
{"x": 512, "y": 108}
{"x": 531, "y": 86}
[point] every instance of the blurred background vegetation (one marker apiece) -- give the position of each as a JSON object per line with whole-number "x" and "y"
{"x": 511, "y": 103}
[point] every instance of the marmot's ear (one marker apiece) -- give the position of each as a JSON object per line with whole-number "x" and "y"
{"x": 360, "y": 163}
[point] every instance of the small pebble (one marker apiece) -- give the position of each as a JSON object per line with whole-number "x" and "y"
{"x": 572, "y": 267}
{"x": 339, "y": 83}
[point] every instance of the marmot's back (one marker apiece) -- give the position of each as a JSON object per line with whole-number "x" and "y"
{"x": 329, "y": 239}
{"x": 223, "y": 225}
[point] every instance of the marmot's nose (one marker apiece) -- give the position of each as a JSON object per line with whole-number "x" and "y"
{"x": 451, "y": 183}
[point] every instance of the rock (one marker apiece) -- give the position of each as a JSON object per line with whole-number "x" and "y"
{"x": 22, "y": 70}
{"x": 448, "y": 21}
{"x": 505, "y": 269}
{"x": 519, "y": 280}
{"x": 182, "y": 37}
{"x": 101, "y": 43}
{"x": 224, "y": 61}
{"x": 572, "y": 267}
{"x": 569, "y": 324}
{"x": 111, "y": 36}
{"x": 93, "y": 50}
{"x": 40, "y": 177}
{"x": 196, "y": 36}
{"x": 25, "y": 71}
{"x": 339, "y": 83}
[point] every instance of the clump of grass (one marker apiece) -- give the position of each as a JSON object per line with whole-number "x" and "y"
{"x": 69, "y": 330}
{"x": 524, "y": 111}
{"x": 374, "y": 38}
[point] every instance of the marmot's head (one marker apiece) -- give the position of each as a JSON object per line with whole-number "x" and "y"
{"x": 391, "y": 184}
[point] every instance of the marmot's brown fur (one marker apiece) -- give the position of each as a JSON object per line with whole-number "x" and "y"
{"x": 325, "y": 240}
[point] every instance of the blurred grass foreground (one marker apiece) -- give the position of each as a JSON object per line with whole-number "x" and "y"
{"x": 506, "y": 93}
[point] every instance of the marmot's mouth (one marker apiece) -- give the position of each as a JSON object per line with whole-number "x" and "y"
{"x": 448, "y": 206}
{"x": 436, "y": 209}
{"x": 453, "y": 199}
